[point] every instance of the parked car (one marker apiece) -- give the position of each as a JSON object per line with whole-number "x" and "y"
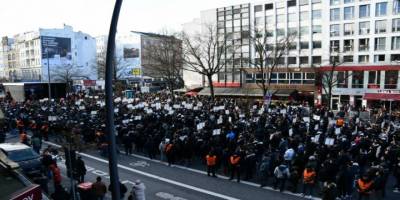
{"x": 24, "y": 155}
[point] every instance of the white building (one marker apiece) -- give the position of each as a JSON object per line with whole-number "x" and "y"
{"x": 363, "y": 34}
{"x": 28, "y": 55}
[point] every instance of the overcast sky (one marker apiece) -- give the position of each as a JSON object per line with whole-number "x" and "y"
{"x": 93, "y": 16}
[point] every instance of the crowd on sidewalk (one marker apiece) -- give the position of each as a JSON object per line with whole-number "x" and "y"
{"x": 288, "y": 146}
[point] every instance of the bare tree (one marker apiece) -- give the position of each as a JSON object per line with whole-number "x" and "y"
{"x": 269, "y": 56}
{"x": 66, "y": 74}
{"x": 118, "y": 65}
{"x": 329, "y": 79}
{"x": 162, "y": 58}
{"x": 203, "y": 54}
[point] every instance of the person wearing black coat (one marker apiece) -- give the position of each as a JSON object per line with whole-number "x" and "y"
{"x": 122, "y": 190}
{"x": 80, "y": 169}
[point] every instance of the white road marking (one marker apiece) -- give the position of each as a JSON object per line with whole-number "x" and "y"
{"x": 158, "y": 177}
{"x": 198, "y": 171}
{"x": 168, "y": 196}
{"x": 139, "y": 163}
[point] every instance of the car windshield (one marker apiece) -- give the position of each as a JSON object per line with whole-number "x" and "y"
{"x": 22, "y": 154}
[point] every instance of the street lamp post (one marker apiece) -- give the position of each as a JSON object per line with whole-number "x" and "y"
{"x": 112, "y": 159}
{"x": 48, "y": 74}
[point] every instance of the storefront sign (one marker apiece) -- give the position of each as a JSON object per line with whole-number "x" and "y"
{"x": 389, "y": 91}
{"x": 30, "y": 193}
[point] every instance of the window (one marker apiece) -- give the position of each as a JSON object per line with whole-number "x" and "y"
{"x": 396, "y": 25}
{"x": 292, "y": 61}
{"x": 380, "y": 26}
{"x": 316, "y": 29}
{"x": 249, "y": 78}
{"x": 335, "y": 30}
{"x": 292, "y": 17}
{"x": 291, "y": 3}
{"x": 348, "y": 45}
{"x": 280, "y": 32}
{"x": 335, "y": 14}
{"x": 304, "y": 60}
{"x": 258, "y": 8}
{"x": 358, "y": 79}
{"x": 334, "y": 59}
{"x": 381, "y": 9}
{"x": 348, "y": 59}
{"x": 348, "y": 13}
{"x": 269, "y": 19}
{"x": 364, "y": 11}
{"x": 315, "y": 1}
{"x": 316, "y": 14}
{"x": 295, "y": 78}
{"x": 316, "y": 44}
{"x": 304, "y": 16}
{"x": 380, "y": 43}
{"x": 348, "y": 1}
{"x": 363, "y": 59}
{"x": 391, "y": 79}
{"x": 396, "y": 43}
{"x": 363, "y": 44}
{"x": 283, "y": 78}
{"x": 349, "y": 29}
{"x": 334, "y": 46}
{"x": 374, "y": 79}
{"x": 292, "y": 46}
{"x": 292, "y": 31}
{"x": 316, "y": 60}
{"x": 269, "y": 6}
{"x": 396, "y": 7}
{"x": 379, "y": 58}
{"x": 342, "y": 79}
{"x": 335, "y": 2}
{"x": 304, "y": 30}
{"x": 303, "y": 2}
{"x": 395, "y": 58}
{"x": 280, "y": 19}
{"x": 364, "y": 28}
{"x": 304, "y": 45}
{"x": 309, "y": 78}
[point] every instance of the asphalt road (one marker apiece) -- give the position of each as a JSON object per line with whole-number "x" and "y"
{"x": 175, "y": 183}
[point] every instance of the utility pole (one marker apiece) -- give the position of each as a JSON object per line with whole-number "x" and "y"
{"x": 48, "y": 74}
{"x": 112, "y": 159}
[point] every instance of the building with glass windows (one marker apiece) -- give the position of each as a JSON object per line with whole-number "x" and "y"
{"x": 362, "y": 36}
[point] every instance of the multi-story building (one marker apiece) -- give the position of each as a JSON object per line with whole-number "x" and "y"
{"x": 133, "y": 64}
{"x": 28, "y": 55}
{"x": 362, "y": 35}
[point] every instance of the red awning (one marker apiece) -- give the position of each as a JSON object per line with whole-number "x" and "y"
{"x": 361, "y": 68}
{"x": 382, "y": 96}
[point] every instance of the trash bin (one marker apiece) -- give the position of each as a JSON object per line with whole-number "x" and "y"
{"x": 85, "y": 191}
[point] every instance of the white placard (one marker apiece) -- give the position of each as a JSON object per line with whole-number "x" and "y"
{"x": 241, "y": 116}
{"x": 116, "y": 110}
{"x": 329, "y": 141}
{"x": 254, "y": 107}
{"x": 158, "y": 106}
{"x": 81, "y": 107}
{"x": 306, "y": 119}
{"x": 226, "y": 112}
{"x": 138, "y": 118}
{"x": 337, "y": 131}
{"x": 117, "y": 100}
{"x": 44, "y": 108}
{"x": 316, "y": 117}
{"x": 171, "y": 112}
{"x": 290, "y": 132}
{"x": 93, "y": 113}
{"x": 217, "y": 132}
{"x": 316, "y": 127}
{"x": 332, "y": 122}
{"x": 96, "y": 97}
{"x": 78, "y": 103}
{"x": 230, "y": 119}
{"x": 176, "y": 106}
{"x": 283, "y": 111}
{"x": 219, "y": 121}
{"x": 125, "y": 121}
{"x": 316, "y": 139}
{"x": 199, "y": 104}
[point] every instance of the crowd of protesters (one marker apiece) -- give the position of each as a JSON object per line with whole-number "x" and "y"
{"x": 291, "y": 147}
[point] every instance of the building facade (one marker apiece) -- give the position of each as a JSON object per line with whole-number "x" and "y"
{"x": 363, "y": 36}
{"x": 133, "y": 65}
{"x": 27, "y": 56}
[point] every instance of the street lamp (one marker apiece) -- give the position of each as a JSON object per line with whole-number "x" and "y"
{"x": 48, "y": 73}
{"x": 112, "y": 159}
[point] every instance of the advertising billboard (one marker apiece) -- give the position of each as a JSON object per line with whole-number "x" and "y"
{"x": 56, "y": 48}
{"x": 130, "y": 64}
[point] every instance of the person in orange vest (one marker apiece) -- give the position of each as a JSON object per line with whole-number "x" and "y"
{"x": 364, "y": 187}
{"x": 211, "y": 163}
{"x": 23, "y": 138}
{"x": 234, "y": 160}
{"x": 308, "y": 180}
{"x": 339, "y": 122}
